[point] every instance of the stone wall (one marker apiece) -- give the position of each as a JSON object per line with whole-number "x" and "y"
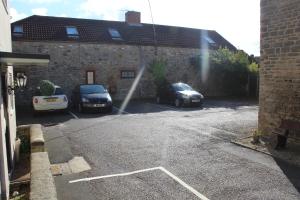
{"x": 280, "y": 63}
{"x": 70, "y": 61}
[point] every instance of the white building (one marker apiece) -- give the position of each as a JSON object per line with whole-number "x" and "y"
{"x": 7, "y": 98}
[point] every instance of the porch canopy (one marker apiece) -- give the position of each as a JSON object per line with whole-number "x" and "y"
{"x": 21, "y": 59}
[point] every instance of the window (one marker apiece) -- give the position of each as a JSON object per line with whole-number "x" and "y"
{"x": 127, "y": 74}
{"x": 72, "y": 31}
{"x": 18, "y": 30}
{"x": 114, "y": 33}
{"x": 90, "y": 77}
{"x": 58, "y": 91}
{"x": 209, "y": 40}
{"x": 92, "y": 89}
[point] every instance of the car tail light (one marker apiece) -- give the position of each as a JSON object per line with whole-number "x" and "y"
{"x": 35, "y": 100}
{"x": 65, "y": 99}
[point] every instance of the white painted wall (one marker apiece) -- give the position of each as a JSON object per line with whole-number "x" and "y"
{"x": 11, "y": 113}
{"x": 5, "y": 45}
{"x": 5, "y": 36}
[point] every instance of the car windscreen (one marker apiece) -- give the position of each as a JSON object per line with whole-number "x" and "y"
{"x": 37, "y": 92}
{"x": 92, "y": 89}
{"x": 181, "y": 87}
{"x": 58, "y": 91}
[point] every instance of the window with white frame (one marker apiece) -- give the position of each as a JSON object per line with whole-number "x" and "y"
{"x": 127, "y": 74}
{"x": 209, "y": 40}
{"x": 115, "y": 34}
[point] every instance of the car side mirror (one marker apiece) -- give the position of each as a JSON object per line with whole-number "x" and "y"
{"x": 106, "y": 89}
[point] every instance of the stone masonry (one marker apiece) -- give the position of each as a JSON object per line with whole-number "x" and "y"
{"x": 280, "y": 63}
{"x": 69, "y": 62}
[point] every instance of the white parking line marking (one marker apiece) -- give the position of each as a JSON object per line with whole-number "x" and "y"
{"x": 73, "y": 115}
{"x": 122, "y": 111}
{"x": 181, "y": 182}
{"x": 178, "y": 180}
{"x": 114, "y": 175}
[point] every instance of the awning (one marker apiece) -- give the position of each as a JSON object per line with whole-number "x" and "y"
{"x": 20, "y": 59}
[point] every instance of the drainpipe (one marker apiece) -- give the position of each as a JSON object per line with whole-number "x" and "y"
{"x": 141, "y": 65}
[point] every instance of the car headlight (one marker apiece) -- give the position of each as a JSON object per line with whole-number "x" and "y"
{"x": 84, "y": 100}
{"x": 109, "y": 99}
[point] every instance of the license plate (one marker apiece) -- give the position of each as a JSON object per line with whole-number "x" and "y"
{"x": 98, "y": 105}
{"x": 50, "y": 100}
{"x": 196, "y": 101}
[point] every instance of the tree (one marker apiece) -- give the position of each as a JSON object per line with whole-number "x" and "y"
{"x": 158, "y": 71}
{"x": 228, "y": 70}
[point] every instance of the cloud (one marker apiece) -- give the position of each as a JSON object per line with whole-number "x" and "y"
{"x": 39, "y": 11}
{"x": 15, "y": 15}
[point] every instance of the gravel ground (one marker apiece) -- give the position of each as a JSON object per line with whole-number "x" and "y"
{"x": 191, "y": 143}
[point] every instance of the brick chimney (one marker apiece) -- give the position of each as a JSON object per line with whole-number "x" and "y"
{"x": 133, "y": 17}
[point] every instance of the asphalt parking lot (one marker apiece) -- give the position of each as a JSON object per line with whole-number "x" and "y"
{"x": 161, "y": 152}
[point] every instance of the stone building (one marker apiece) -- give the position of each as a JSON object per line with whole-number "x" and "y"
{"x": 112, "y": 53}
{"x": 280, "y": 63}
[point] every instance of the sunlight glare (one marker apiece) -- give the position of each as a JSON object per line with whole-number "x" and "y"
{"x": 132, "y": 89}
{"x": 204, "y": 57}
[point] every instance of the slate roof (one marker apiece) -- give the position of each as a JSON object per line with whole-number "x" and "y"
{"x": 45, "y": 28}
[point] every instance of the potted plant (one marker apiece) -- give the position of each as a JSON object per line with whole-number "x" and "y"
{"x": 256, "y": 136}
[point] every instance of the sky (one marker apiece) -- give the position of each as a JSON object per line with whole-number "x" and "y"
{"x": 236, "y": 20}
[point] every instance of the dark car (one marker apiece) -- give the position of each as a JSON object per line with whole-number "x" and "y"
{"x": 92, "y": 97}
{"x": 179, "y": 94}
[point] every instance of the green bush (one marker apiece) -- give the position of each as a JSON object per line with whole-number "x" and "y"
{"x": 228, "y": 70}
{"x": 47, "y": 88}
{"x": 158, "y": 71}
{"x": 25, "y": 144}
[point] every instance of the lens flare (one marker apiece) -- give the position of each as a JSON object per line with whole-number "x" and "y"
{"x": 132, "y": 89}
{"x": 204, "y": 53}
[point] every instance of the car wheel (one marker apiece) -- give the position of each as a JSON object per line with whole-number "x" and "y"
{"x": 158, "y": 101}
{"x": 65, "y": 111}
{"x": 110, "y": 109}
{"x": 177, "y": 103}
{"x": 35, "y": 113}
{"x": 79, "y": 108}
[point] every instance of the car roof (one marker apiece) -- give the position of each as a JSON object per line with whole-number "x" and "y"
{"x": 91, "y": 84}
{"x": 179, "y": 83}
